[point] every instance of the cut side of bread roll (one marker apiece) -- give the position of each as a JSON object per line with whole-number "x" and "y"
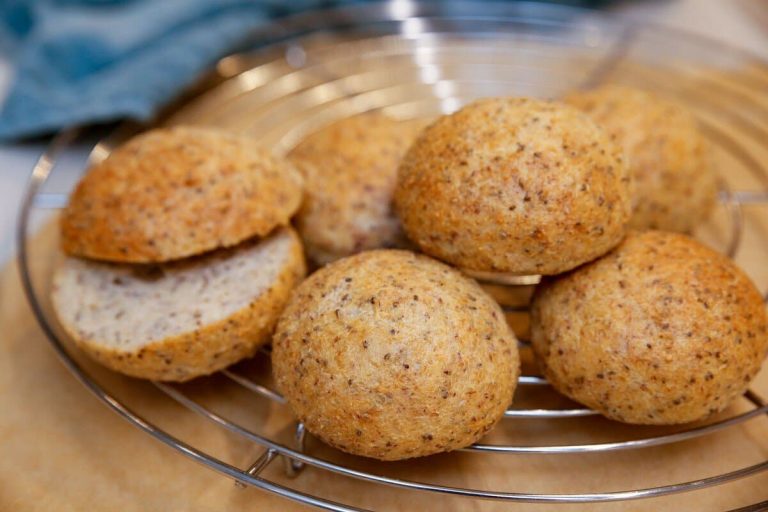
{"x": 178, "y": 321}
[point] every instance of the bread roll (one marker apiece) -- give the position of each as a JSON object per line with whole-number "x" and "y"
{"x": 661, "y": 330}
{"x": 514, "y": 185}
{"x": 177, "y": 321}
{"x": 350, "y": 169}
{"x": 393, "y": 355}
{"x": 176, "y": 192}
{"x": 670, "y": 160}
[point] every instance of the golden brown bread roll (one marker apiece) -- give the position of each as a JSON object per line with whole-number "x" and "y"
{"x": 392, "y": 355}
{"x": 170, "y": 193}
{"x": 661, "y": 330}
{"x": 514, "y": 185}
{"x": 675, "y": 182}
{"x": 350, "y": 169}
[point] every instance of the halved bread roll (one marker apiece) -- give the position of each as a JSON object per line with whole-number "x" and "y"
{"x": 177, "y": 321}
{"x": 171, "y": 193}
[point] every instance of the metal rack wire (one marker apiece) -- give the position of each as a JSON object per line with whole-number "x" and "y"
{"x": 415, "y": 59}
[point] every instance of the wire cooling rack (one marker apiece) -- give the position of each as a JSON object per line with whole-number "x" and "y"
{"x": 412, "y": 59}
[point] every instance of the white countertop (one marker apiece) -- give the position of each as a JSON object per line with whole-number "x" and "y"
{"x": 742, "y": 23}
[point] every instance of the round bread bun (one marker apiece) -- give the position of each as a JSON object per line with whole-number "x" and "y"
{"x": 180, "y": 320}
{"x": 662, "y": 330}
{"x": 392, "y": 355}
{"x": 514, "y": 185}
{"x": 675, "y": 182}
{"x": 350, "y": 170}
{"x": 171, "y": 193}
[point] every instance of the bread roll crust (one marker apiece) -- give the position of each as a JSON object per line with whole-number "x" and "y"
{"x": 350, "y": 170}
{"x": 661, "y": 330}
{"x": 514, "y": 185}
{"x": 670, "y": 159}
{"x": 393, "y": 355}
{"x": 176, "y": 192}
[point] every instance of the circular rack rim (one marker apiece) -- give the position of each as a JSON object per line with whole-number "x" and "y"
{"x": 295, "y": 457}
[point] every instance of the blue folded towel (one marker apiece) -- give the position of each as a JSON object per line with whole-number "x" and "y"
{"x": 89, "y": 61}
{"x": 86, "y": 61}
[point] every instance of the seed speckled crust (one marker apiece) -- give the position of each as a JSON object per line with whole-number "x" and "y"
{"x": 393, "y": 355}
{"x": 350, "y": 169}
{"x": 670, "y": 161}
{"x": 661, "y": 330}
{"x": 170, "y": 193}
{"x": 514, "y": 185}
